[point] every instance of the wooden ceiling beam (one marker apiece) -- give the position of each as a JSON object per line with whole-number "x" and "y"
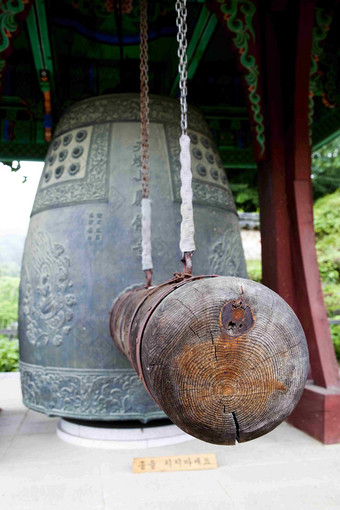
{"x": 41, "y": 48}
{"x": 39, "y": 39}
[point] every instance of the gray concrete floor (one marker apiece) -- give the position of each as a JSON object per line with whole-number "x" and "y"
{"x": 285, "y": 469}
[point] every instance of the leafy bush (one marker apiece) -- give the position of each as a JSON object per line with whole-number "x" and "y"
{"x": 327, "y": 233}
{"x": 326, "y": 169}
{"x": 9, "y": 349}
{"x": 9, "y": 294}
{"x": 245, "y": 196}
{"x": 335, "y": 331}
{"x": 331, "y": 294}
{"x": 254, "y": 270}
{"x": 9, "y": 355}
{"x": 326, "y": 214}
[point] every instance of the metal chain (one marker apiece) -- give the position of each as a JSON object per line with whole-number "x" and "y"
{"x": 181, "y": 22}
{"x": 144, "y": 114}
{"x": 144, "y": 96}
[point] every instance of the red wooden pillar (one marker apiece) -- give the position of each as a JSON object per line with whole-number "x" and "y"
{"x": 289, "y": 256}
{"x": 273, "y": 42}
{"x": 277, "y": 270}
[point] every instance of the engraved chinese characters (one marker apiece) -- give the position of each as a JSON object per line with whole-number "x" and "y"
{"x": 83, "y": 249}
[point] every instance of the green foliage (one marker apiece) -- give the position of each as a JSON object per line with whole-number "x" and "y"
{"x": 326, "y": 169}
{"x": 243, "y": 184}
{"x": 9, "y": 355}
{"x": 327, "y": 233}
{"x": 246, "y": 197}
{"x": 9, "y": 349}
{"x": 329, "y": 259}
{"x": 335, "y": 331}
{"x": 9, "y": 294}
{"x": 254, "y": 270}
{"x": 326, "y": 215}
{"x": 331, "y": 294}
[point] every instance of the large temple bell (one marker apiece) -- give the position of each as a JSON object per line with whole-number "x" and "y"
{"x": 84, "y": 247}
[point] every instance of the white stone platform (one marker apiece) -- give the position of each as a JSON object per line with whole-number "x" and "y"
{"x": 285, "y": 469}
{"x": 120, "y": 438}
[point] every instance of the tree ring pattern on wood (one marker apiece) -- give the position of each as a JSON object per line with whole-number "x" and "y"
{"x": 218, "y": 384}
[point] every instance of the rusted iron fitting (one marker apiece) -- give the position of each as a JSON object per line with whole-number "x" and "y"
{"x": 148, "y": 276}
{"x": 187, "y": 262}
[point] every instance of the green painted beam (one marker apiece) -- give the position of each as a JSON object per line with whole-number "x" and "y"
{"x": 39, "y": 38}
{"x": 323, "y": 142}
{"x": 11, "y": 103}
{"x": 237, "y": 158}
{"x": 203, "y": 32}
{"x": 225, "y": 112}
{"x": 242, "y": 166}
{"x": 326, "y": 129}
{"x": 12, "y": 151}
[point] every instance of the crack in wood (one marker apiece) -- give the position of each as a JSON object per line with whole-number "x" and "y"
{"x": 185, "y": 306}
{"x": 194, "y": 332}
{"x": 237, "y": 426}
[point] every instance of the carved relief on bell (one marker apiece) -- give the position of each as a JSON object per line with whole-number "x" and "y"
{"x": 84, "y": 248}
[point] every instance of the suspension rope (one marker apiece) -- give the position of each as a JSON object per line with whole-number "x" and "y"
{"x": 144, "y": 114}
{"x": 187, "y": 242}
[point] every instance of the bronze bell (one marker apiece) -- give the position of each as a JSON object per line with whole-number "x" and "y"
{"x": 84, "y": 247}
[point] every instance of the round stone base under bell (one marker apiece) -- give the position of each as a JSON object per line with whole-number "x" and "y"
{"x": 119, "y": 438}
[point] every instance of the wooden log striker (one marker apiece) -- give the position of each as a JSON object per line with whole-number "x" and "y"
{"x": 225, "y": 358}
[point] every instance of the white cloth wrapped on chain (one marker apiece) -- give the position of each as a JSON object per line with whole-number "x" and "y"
{"x": 146, "y": 234}
{"x": 187, "y": 242}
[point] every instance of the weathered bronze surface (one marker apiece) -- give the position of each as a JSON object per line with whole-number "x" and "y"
{"x": 84, "y": 248}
